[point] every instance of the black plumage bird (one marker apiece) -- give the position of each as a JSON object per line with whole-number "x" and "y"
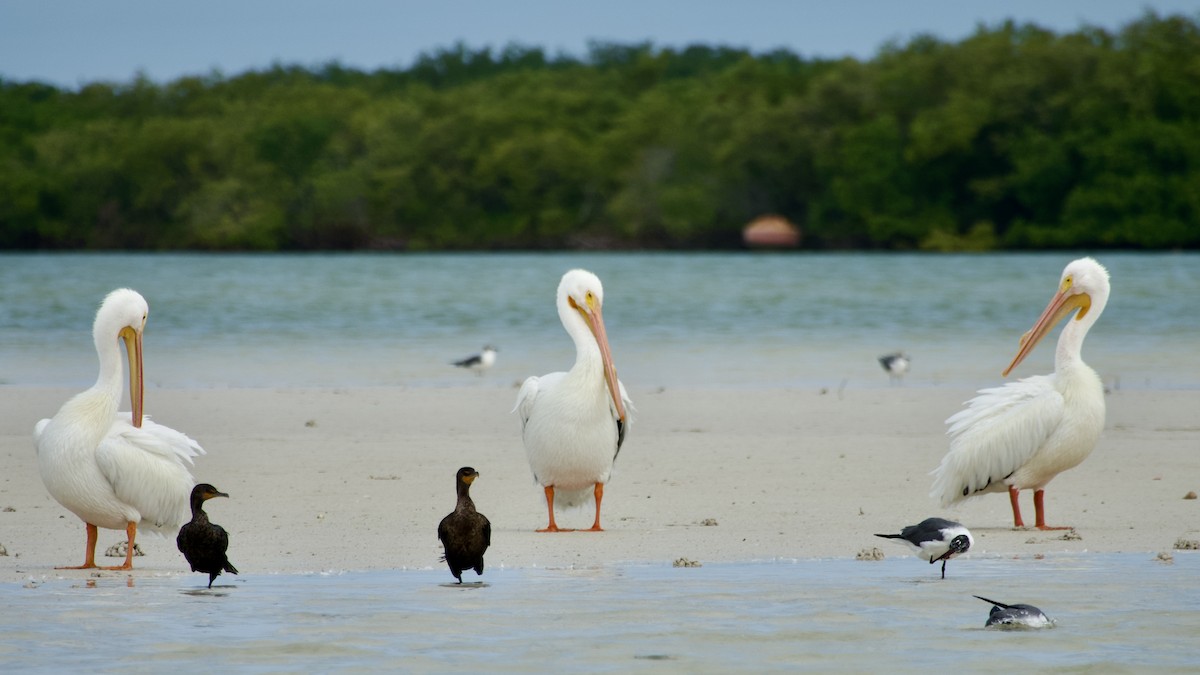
{"x": 204, "y": 543}
{"x": 465, "y": 533}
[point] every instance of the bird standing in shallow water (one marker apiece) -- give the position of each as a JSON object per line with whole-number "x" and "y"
{"x": 1020, "y": 436}
{"x": 935, "y": 539}
{"x": 573, "y": 423}
{"x": 465, "y": 533}
{"x": 204, "y": 543}
{"x": 114, "y": 470}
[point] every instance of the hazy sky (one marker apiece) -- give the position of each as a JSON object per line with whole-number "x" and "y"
{"x": 69, "y": 42}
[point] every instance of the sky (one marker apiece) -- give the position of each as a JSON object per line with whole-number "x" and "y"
{"x": 69, "y": 43}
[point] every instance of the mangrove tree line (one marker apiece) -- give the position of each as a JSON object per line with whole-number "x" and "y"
{"x": 1016, "y": 137}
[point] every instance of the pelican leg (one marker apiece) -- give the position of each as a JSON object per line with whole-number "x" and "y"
{"x": 1040, "y": 512}
{"x": 89, "y": 556}
{"x": 944, "y": 561}
{"x": 599, "y": 492}
{"x": 1012, "y": 497}
{"x": 131, "y": 532}
{"x": 552, "y": 527}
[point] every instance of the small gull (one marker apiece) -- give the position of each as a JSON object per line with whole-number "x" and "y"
{"x": 935, "y": 539}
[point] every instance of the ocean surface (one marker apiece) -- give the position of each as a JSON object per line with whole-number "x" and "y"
{"x": 1112, "y": 612}
{"x": 674, "y": 319}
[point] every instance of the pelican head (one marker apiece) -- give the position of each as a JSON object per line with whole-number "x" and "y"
{"x": 1083, "y": 287}
{"x": 122, "y": 316}
{"x": 580, "y": 300}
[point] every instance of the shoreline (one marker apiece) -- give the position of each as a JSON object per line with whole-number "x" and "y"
{"x": 356, "y": 479}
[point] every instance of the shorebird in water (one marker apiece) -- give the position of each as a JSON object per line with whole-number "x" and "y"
{"x": 479, "y": 362}
{"x": 1015, "y": 616}
{"x": 935, "y": 539}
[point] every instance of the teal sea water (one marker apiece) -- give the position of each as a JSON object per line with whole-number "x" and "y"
{"x": 1114, "y": 613}
{"x": 674, "y": 319}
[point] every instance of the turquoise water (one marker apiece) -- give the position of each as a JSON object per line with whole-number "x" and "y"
{"x": 674, "y": 319}
{"x": 1114, "y": 612}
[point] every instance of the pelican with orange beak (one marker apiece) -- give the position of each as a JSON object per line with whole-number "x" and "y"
{"x": 1023, "y": 434}
{"x": 574, "y": 423}
{"x": 119, "y": 471}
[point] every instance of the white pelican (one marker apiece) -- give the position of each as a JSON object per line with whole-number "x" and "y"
{"x": 1021, "y": 435}
{"x": 109, "y": 468}
{"x": 574, "y": 422}
{"x": 479, "y": 362}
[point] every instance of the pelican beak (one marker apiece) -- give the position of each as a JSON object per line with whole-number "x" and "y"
{"x": 133, "y": 345}
{"x": 595, "y": 322}
{"x": 1061, "y": 305}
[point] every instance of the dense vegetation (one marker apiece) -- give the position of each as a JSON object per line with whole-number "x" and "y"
{"x": 1015, "y": 137}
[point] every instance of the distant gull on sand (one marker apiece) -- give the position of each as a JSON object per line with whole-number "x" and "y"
{"x": 935, "y": 539}
{"x": 896, "y": 365}
{"x": 1015, "y": 616}
{"x": 479, "y": 362}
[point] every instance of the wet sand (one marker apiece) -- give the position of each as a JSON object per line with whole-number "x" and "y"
{"x": 357, "y": 479}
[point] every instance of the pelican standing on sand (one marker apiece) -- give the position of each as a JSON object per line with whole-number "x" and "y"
{"x": 1023, "y": 434}
{"x": 112, "y": 469}
{"x": 574, "y": 422}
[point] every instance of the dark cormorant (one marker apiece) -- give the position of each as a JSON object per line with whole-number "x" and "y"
{"x": 466, "y": 533}
{"x": 204, "y": 543}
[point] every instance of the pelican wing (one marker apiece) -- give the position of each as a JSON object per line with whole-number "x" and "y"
{"x": 526, "y": 398}
{"x": 147, "y": 468}
{"x": 629, "y": 410}
{"x": 531, "y": 389}
{"x": 998, "y": 431}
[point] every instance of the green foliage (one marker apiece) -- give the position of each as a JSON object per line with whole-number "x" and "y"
{"x": 1015, "y": 137}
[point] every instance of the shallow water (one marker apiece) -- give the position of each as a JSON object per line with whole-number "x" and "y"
{"x": 1114, "y": 612}
{"x": 674, "y": 319}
